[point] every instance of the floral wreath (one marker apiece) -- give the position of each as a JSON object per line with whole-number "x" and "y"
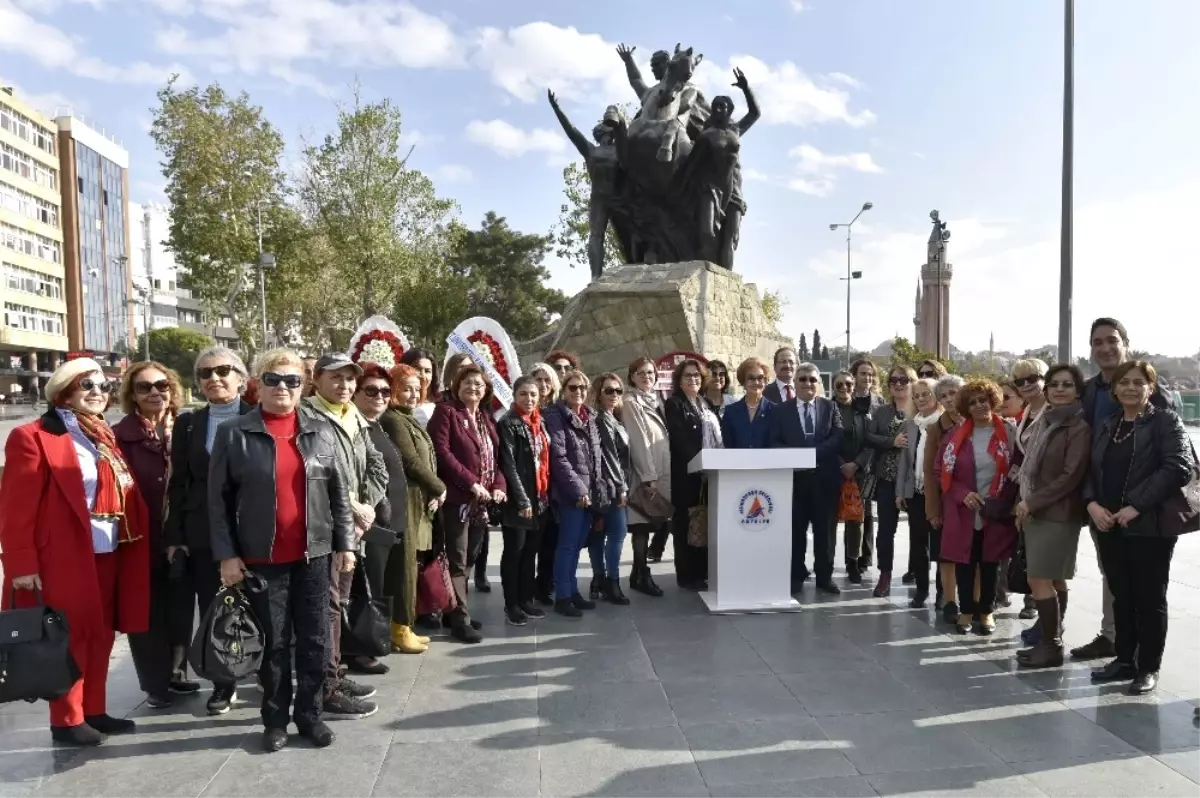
{"x": 378, "y": 341}
{"x": 491, "y": 343}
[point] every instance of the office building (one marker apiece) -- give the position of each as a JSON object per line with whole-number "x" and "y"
{"x": 96, "y": 242}
{"x": 33, "y": 337}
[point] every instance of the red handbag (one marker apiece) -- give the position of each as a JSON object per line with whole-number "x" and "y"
{"x": 435, "y": 591}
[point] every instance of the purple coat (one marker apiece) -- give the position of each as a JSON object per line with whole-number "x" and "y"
{"x": 459, "y": 451}
{"x": 147, "y": 460}
{"x": 574, "y": 455}
{"x": 958, "y": 520}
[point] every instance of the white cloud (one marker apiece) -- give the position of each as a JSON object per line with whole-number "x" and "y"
{"x": 50, "y": 103}
{"x": 843, "y": 78}
{"x": 817, "y": 172}
{"x": 798, "y": 5}
{"x": 274, "y": 37}
{"x": 52, "y": 49}
{"x": 786, "y": 94}
{"x": 509, "y": 141}
{"x": 453, "y": 173}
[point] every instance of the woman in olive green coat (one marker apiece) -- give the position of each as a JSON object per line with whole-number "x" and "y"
{"x": 425, "y": 491}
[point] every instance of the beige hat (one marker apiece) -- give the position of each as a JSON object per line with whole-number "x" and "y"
{"x": 67, "y": 372}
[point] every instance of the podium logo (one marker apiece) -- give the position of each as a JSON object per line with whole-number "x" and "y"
{"x": 756, "y": 508}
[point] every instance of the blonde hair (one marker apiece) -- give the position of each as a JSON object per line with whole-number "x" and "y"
{"x": 552, "y": 375}
{"x": 1029, "y": 367}
{"x": 909, "y": 408}
{"x": 126, "y": 395}
{"x": 274, "y": 358}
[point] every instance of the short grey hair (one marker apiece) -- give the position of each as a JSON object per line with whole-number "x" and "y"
{"x": 807, "y": 366}
{"x": 548, "y": 370}
{"x": 223, "y": 352}
{"x": 949, "y": 381}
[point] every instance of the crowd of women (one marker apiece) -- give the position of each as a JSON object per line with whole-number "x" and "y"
{"x": 341, "y": 467}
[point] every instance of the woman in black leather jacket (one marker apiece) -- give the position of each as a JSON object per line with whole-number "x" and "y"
{"x": 1141, "y": 459}
{"x": 525, "y": 460}
{"x": 278, "y": 505}
{"x": 608, "y": 536}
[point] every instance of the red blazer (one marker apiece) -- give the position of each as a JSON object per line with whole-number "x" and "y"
{"x": 46, "y": 529}
{"x": 458, "y": 449}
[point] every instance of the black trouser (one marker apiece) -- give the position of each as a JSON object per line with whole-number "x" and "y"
{"x": 813, "y": 504}
{"x": 658, "y": 541}
{"x": 920, "y": 541}
{"x": 464, "y": 540}
{"x": 545, "y": 554}
{"x": 965, "y": 576}
{"x": 162, "y": 650}
{"x": 481, "y": 560}
{"x": 691, "y": 562}
{"x": 295, "y": 611}
{"x": 889, "y": 522}
{"x": 204, "y": 578}
{"x": 377, "y": 559}
{"x": 1138, "y": 570}
{"x": 517, "y": 563}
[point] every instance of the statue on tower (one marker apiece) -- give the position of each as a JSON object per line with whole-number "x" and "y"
{"x": 937, "y": 237}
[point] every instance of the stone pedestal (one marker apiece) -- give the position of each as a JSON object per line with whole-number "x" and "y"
{"x": 636, "y": 310}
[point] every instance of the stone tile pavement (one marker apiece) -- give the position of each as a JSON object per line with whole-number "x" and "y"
{"x": 850, "y": 696}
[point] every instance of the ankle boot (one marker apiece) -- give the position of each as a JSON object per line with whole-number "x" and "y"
{"x": 612, "y": 592}
{"x": 643, "y": 582}
{"x": 596, "y": 590}
{"x": 405, "y": 642}
{"x": 1049, "y": 652}
{"x": 884, "y": 586}
{"x": 1062, "y": 609}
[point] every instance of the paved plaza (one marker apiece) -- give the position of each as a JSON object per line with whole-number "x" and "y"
{"x": 852, "y": 696}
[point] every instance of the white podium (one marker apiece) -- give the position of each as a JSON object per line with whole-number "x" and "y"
{"x": 750, "y": 527}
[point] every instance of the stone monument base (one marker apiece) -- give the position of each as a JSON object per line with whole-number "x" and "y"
{"x": 642, "y": 310}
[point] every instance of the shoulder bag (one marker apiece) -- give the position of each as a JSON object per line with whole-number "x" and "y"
{"x": 230, "y": 642}
{"x": 35, "y": 654}
{"x": 366, "y": 619}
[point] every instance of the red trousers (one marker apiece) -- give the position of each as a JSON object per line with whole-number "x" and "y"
{"x": 91, "y": 648}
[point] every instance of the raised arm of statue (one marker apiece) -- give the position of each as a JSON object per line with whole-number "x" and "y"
{"x": 631, "y": 70}
{"x": 752, "y": 109}
{"x": 581, "y": 143}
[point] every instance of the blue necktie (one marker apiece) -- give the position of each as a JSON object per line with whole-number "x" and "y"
{"x": 808, "y": 419}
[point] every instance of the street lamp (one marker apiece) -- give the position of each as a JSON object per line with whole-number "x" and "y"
{"x": 266, "y": 260}
{"x": 851, "y": 276}
{"x": 1066, "y": 266}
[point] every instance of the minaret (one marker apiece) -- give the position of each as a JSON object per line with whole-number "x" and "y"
{"x": 992, "y": 352}
{"x": 917, "y": 316}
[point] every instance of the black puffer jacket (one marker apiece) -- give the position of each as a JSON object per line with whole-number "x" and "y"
{"x": 1162, "y": 463}
{"x": 241, "y": 489}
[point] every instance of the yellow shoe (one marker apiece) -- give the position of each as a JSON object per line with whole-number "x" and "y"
{"x": 987, "y": 624}
{"x": 964, "y": 624}
{"x": 404, "y": 641}
{"x": 422, "y": 639}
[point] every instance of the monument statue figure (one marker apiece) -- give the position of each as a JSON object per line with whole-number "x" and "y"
{"x": 938, "y": 237}
{"x": 658, "y": 67}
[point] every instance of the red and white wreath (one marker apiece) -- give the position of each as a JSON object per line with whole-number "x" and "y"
{"x": 378, "y": 341}
{"x": 492, "y": 344}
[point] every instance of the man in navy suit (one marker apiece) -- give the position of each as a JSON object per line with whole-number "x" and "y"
{"x": 783, "y": 389}
{"x": 811, "y": 422}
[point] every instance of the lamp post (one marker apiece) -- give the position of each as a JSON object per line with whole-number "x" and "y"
{"x": 266, "y": 260}
{"x": 851, "y": 276}
{"x": 1066, "y": 266}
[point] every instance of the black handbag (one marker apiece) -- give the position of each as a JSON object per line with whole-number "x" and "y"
{"x": 366, "y": 620}
{"x": 35, "y": 654}
{"x": 230, "y": 643}
{"x": 1017, "y": 577}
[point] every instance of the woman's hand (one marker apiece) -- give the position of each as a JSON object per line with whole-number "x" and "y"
{"x": 344, "y": 560}
{"x": 498, "y": 497}
{"x": 901, "y": 504}
{"x": 1125, "y": 516}
{"x": 1021, "y": 512}
{"x": 233, "y": 571}
{"x": 364, "y": 516}
{"x": 935, "y": 522}
{"x": 526, "y": 513}
{"x": 973, "y": 501}
{"x": 171, "y": 550}
{"x": 849, "y": 470}
{"x": 30, "y": 582}
{"x": 1101, "y": 517}
{"x": 433, "y": 505}
{"x": 901, "y": 441}
{"x": 584, "y": 501}
{"x": 480, "y": 494}
{"x": 621, "y": 501}
{"x": 652, "y": 486}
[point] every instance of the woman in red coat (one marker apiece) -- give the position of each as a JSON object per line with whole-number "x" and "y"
{"x": 73, "y": 525}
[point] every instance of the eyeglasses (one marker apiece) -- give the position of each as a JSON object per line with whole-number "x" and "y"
{"x": 844, "y": 386}
{"x": 576, "y": 388}
{"x": 979, "y": 401}
{"x": 221, "y": 371}
{"x": 273, "y": 380}
{"x": 719, "y": 375}
{"x": 755, "y": 378}
{"x": 1061, "y": 384}
{"x": 899, "y": 379}
{"x": 88, "y": 384}
{"x": 612, "y": 391}
{"x": 692, "y": 376}
{"x": 375, "y": 392}
{"x": 807, "y": 380}
{"x": 1021, "y": 382}
{"x": 647, "y": 373}
{"x": 926, "y": 374}
{"x": 564, "y": 367}
{"x": 144, "y": 387}
{"x": 1132, "y": 382}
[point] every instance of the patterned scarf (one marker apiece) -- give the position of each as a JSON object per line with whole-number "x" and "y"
{"x": 997, "y": 447}
{"x": 113, "y": 479}
{"x": 540, "y": 441}
{"x": 487, "y": 465}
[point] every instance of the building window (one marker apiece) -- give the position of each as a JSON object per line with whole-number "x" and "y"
{"x": 24, "y": 128}
{"x": 170, "y": 285}
{"x": 38, "y": 246}
{"x": 18, "y": 278}
{"x": 28, "y": 205}
{"x": 191, "y": 316}
{"x": 22, "y": 317}
{"x": 157, "y": 285}
{"x": 27, "y": 167}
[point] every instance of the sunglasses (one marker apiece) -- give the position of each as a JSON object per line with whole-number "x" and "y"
{"x": 719, "y": 375}
{"x": 1061, "y": 384}
{"x": 221, "y": 371}
{"x": 848, "y": 386}
{"x": 899, "y": 379}
{"x": 375, "y": 392}
{"x": 613, "y": 391}
{"x": 144, "y": 387}
{"x": 273, "y": 380}
{"x": 577, "y": 388}
{"x": 807, "y": 380}
{"x": 926, "y": 374}
{"x": 562, "y": 366}
{"x": 103, "y": 386}
{"x": 1021, "y": 382}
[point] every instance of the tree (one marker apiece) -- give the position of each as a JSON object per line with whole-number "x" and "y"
{"x": 824, "y": 353}
{"x": 906, "y": 353}
{"x": 506, "y": 279}
{"x": 176, "y": 348}
{"x": 816, "y": 343}
{"x": 570, "y": 233}
{"x": 380, "y": 219}
{"x": 773, "y": 304}
{"x": 221, "y": 158}
{"x": 802, "y": 349}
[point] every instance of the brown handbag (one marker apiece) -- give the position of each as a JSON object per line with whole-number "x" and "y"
{"x": 650, "y": 504}
{"x": 697, "y": 534}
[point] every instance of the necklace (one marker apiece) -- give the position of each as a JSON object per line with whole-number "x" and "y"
{"x": 1119, "y": 436}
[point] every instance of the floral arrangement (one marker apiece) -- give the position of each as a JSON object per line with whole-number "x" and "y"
{"x": 378, "y": 341}
{"x": 489, "y": 348}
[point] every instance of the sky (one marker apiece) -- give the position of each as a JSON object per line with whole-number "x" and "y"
{"x": 909, "y": 105}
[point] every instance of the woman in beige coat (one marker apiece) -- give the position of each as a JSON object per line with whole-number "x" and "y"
{"x": 650, "y": 466}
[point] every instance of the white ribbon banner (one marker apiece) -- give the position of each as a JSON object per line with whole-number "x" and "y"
{"x": 499, "y": 386}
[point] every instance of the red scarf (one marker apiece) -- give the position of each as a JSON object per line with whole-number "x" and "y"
{"x": 541, "y": 449}
{"x": 997, "y": 447}
{"x": 113, "y": 479}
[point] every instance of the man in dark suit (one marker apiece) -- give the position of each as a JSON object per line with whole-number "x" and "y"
{"x": 783, "y": 389}
{"x": 811, "y": 422}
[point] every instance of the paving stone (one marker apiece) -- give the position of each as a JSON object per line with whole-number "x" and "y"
{"x": 783, "y": 749}
{"x": 628, "y": 762}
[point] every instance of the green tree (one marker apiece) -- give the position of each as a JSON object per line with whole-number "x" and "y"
{"x": 906, "y": 353}
{"x": 802, "y": 348}
{"x": 816, "y": 344}
{"x": 571, "y": 232}
{"x": 381, "y": 219}
{"x": 221, "y": 158}
{"x": 176, "y": 348}
{"x": 824, "y": 353}
{"x": 773, "y": 305}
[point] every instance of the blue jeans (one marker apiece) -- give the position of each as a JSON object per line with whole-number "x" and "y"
{"x": 605, "y": 546}
{"x": 573, "y": 525}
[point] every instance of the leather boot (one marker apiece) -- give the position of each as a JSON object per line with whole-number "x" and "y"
{"x": 884, "y": 586}
{"x": 612, "y": 592}
{"x": 643, "y": 582}
{"x": 405, "y": 642}
{"x": 1062, "y": 608}
{"x": 1049, "y": 652}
